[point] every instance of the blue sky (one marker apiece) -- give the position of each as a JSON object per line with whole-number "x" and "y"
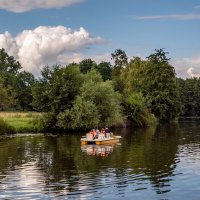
{"x": 42, "y": 32}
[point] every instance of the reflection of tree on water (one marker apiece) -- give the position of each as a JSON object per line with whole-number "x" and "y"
{"x": 162, "y": 160}
{"x": 14, "y": 151}
{"x": 154, "y": 154}
{"x": 97, "y": 150}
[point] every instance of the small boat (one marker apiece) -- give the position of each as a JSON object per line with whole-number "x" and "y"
{"x": 101, "y": 139}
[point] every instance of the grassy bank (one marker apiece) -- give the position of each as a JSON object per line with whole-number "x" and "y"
{"x": 20, "y": 122}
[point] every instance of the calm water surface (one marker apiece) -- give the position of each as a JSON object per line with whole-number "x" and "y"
{"x": 154, "y": 163}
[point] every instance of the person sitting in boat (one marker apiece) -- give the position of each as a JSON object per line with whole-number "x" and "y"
{"x": 92, "y": 133}
{"x": 97, "y": 132}
{"x": 107, "y": 130}
{"x": 108, "y": 133}
{"x": 103, "y": 131}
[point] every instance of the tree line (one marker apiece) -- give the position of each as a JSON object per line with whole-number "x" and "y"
{"x": 87, "y": 94}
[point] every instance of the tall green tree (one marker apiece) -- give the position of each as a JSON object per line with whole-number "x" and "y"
{"x": 8, "y": 63}
{"x": 86, "y": 65}
{"x": 4, "y": 100}
{"x": 57, "y": 88}
{"x": 189, "y": 90}
{"x": 56, "y": 91}
{"x": 160, "y": 87}
{"x": 120, "y": 58}
{"x": 135, "y": 104}
{"x": 40, "y": 91}
{"x": 105, "y": 69}
{"x": 82, "y": 115}
{"x": 96, "y": 105}
{"x": 25, "y": 81}
{"x": 120, "y": 61}
{"x": 155, "y": 78}
{"x": 133, "y": 75}
{"x": 9, "y": 68}
{"x": 7, "y": 96}
{"x": 136, "y": 110}
{"x": 159, "y": 56}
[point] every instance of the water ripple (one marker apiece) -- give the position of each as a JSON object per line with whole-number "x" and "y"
{"x": 146, "y": 165}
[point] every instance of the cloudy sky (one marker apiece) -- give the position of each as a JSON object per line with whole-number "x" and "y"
{"x": 41, "y": 32}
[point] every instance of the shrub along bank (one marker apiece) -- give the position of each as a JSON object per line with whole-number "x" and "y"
{"x": 20, "y": 122}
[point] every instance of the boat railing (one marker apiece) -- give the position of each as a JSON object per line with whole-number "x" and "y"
{"x": 101, "y": 136}
{"x": 108, "y": 135}
{"x": 89, "y": 136}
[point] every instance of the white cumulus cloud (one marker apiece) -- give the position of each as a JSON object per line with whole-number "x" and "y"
{"x": 187, "y": 67}
{"x": 8, "y": 42}
{"x": 192, "y": 74}
{"x": 19, "y": 6}
{"x": 44, "y": 45}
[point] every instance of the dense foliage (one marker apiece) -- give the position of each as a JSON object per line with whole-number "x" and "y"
{"x": 87, "y": 94}
{"x": 137, "y": 111}
{"x": 76, "y": 100}
{"x": 190, "y": 96}
{"x": 155, "y": 79}
{"x": 15, "y": 85}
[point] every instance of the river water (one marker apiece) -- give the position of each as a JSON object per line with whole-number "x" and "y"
{"x": 161, "y": 163}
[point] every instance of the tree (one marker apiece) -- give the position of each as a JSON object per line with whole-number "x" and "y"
{"x": 105, "y": 70}
{"x": 82, "y": 115}
{"x": 189, "y": 90}
{"x": 4, "y": 100}
{"x": 18, "y": 84}
{"x": 156, "y": 80}
{"x": 160, "y": 87}
{"x": 40, "y": 91}
{"x": 135, "y": 104}
{"x": 25, "y": 81}
{"x": 65, "y": 86}
{"x": 7, "y": 95}
{"x": 8, "y": 63}
{"x": 159, "y": 56}
{"x": 106, "y": 100}
{"x": 9, "y": 68}
{"x": 57, "y": 89}
{"x": 133, "y": 75}
{"x": 120, "y": 58}
{"x": 137, "y": 111}
{"x": 86, "y": 65}
{"x": 96, "y": 105}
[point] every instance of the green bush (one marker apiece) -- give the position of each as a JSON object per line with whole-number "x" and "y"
{"x": 38, "y": 123}
{"x": 5, "y": 128}
{"x": 136, "y": 110}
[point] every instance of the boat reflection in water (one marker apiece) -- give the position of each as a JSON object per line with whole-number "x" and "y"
{"x": 98, "y": 150}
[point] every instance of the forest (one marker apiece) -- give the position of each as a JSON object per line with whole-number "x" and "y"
{"x": 82, "y": 95}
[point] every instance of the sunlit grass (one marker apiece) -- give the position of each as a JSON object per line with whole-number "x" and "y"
{"x": 22, "y": 121}
{"x": 19, "y": 114}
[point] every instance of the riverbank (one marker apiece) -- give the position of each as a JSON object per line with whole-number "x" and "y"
{"x": 20, "y": 122}
{"x": 32, "y": 122}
